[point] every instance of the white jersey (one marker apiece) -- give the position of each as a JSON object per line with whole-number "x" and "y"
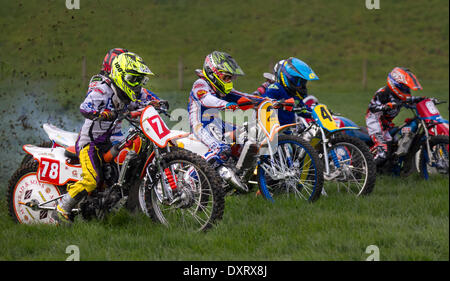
{"x": 101, "y": 97}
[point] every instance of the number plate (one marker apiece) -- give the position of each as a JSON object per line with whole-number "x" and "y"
{"x": 49, "y": 170}
{"x": 323, "y": 116}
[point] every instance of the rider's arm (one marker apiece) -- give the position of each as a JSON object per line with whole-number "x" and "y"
{"x": 380, "y": 102}
{"x": 94, "y": 103}
{"x": 202, "y": 93}
{"x": 148, "y": 95}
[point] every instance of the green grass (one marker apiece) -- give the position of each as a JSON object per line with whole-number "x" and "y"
{"x": 42, "y": 45}
{"x": 44, "y": 40}
{"x": 406, "y": 218}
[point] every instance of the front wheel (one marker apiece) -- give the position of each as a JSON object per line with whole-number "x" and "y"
{"x": 295, "y": 169}
{"x": 437, "y": 160}
{"x": 188, "y": 192}
{"x": 351, "y": 165}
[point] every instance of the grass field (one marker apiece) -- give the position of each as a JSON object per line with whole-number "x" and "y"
{"x": 42, "y": 48}
{"x": 406, "y": 218}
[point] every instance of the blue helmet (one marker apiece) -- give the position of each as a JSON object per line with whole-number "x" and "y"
{"x": 293, "y": 74}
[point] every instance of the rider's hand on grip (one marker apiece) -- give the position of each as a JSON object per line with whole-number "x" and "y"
{"x": 164, "y": 104}
{"x": 391, "y": 105}
{"x": 231, "y": 106}
{"x": 106, "y": 115}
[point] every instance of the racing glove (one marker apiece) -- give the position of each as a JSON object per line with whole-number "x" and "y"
{"x": 231, "y": 105}
{"x": 107, "y": 115}
{"x": 390, "y": 106}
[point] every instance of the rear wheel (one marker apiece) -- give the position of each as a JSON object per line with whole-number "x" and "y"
{"x": 197, "y": 202}
{"x": 352, "y": 167}
{"x": 25, "y": 192}
{"x": 295, "y": 170}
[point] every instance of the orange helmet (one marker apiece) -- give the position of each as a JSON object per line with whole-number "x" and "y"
{"x": 401, "y": 81}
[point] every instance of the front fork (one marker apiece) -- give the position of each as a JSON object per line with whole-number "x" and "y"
{"x": 427, "y": 141}
{"x": 167, "y": 178}
{"x": 325, "y": 144}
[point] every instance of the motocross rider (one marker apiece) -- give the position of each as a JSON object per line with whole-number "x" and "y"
{"x": 108, "y": 93}
{"x": 291, "y": 77}
{"x": 105, "y": 70}
{"x": 213, "y": 91}
{"x": 385, "y": 106}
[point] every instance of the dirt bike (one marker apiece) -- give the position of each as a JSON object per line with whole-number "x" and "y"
{"x": 172, "y": 186}
{"x": 416, "y": 144}
{"x": 347, "y": 160}
{"x": 437, "y": 125}
{"x": 261, "y": 156}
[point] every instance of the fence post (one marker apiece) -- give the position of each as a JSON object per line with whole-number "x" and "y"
{"x": 364, "y": 74}
{"x": 180, "y": 74}
{"x": 83, "y": 70}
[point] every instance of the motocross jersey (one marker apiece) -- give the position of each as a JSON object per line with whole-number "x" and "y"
{"x": 379, "y": 103}
{"x": 204, "y": 105}
{"x": 100, "y": 97}
{"x": 277, "y": 92}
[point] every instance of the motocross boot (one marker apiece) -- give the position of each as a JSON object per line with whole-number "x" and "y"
{"x": 62, "y": 213}
{"x": 381, "y": 155}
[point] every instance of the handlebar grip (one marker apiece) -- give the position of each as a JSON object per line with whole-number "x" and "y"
{"x": 135, "y": 114}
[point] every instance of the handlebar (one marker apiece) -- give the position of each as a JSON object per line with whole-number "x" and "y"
{"x": 247, "y": 103}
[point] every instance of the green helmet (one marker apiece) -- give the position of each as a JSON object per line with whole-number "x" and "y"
{"x": 220, "y": 69}
{"x": 129, "y": 72}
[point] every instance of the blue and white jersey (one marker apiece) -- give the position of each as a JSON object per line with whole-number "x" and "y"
{"x": 205, "y": 104}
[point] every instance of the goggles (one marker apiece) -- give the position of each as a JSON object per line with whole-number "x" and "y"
{"x": 299, "y": 82}
{"x": 225, "y": 77}
{"x": 136, "y": 80}
{"x": 403, "y": 88}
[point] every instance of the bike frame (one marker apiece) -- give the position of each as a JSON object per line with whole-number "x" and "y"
{"x": 324, "y": 123}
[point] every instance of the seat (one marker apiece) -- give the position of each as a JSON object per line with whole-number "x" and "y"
{"x": 71, "y": 152}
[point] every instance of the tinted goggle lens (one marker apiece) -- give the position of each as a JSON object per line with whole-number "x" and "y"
{"x": 404, "y": 89}
{"x": 300, "y": 83}
{"x": 135, "y": 80}
{"x": 225, "y": 77}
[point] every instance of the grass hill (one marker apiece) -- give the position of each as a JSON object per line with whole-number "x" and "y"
{"x": 45, "y": 40}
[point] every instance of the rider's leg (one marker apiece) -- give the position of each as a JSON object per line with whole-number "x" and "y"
{"x": 379, "y": 136}
{"x": 91, "y": 165}
{"x": 216, "y": 154}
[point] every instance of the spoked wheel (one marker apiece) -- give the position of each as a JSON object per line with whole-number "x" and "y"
{"x": 295, "y": 170}
{"x": 352, "y": 167}
{"x": 191, "y": 196}
{"x": 25, "y": 193}
{"x": 437, "y": 161}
